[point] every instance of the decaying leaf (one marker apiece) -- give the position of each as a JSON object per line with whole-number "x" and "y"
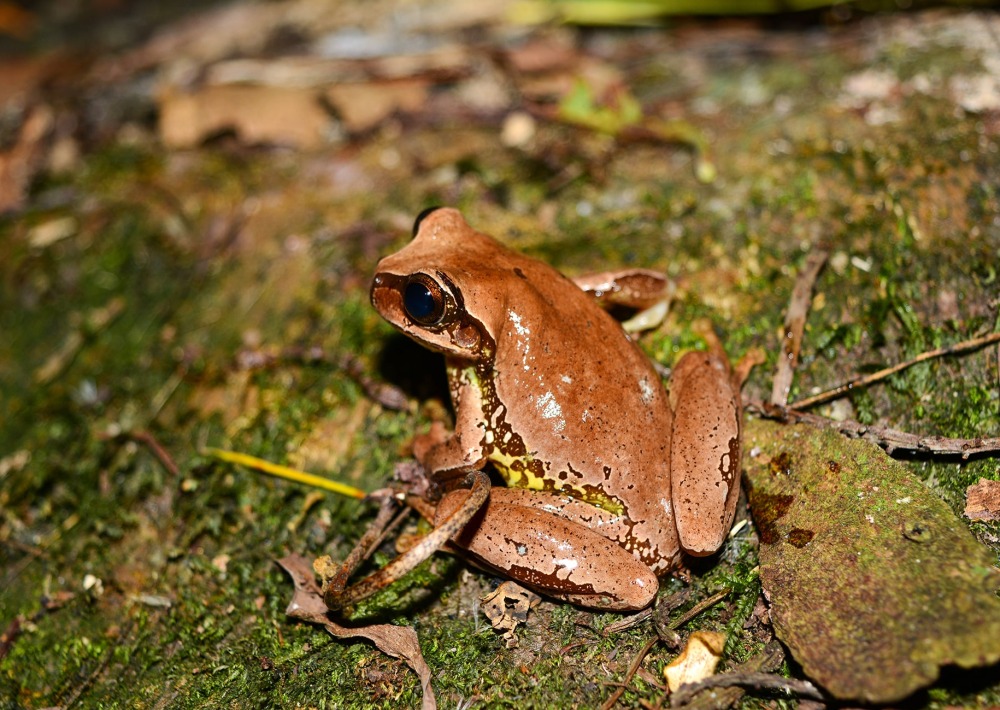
{"x": 19, "y": 163}
{"x": 364, "y": 105}
{"x": 982, "y": 500}
{"x": 873, "y": 581}
{"x": 397, "y": 641}
{"x": 697, "y": 661}
{"x": 507, "y": 607}
{"x": 258, "y": 114}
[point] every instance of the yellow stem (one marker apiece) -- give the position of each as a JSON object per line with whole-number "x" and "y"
{"x": 289, "y": 474}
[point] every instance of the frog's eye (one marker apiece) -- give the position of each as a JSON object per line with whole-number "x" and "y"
{"x": 424, "y": 300}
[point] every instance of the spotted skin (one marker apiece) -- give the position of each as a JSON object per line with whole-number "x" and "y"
{"x": 549, "y": 390}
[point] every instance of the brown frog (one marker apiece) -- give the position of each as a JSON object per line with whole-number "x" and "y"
{"x": 609, "y": 476}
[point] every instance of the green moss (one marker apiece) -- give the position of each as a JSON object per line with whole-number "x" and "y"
{"x": 218, "y": 248}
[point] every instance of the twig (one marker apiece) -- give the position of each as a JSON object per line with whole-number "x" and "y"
{"x": 628, "y": 622}
{"x": 337, "y": 597}
{"x": 843, "y": 389}
{"x": 795, "y": 323}
{"x": 891, "y": 440}
{"x": 364, "y": 546}
{"x": 393, "y": 524}
{"x": 756, "y": 681}
{"x": 675, "y": 624}
{"x": 91, "y": 678}
{"x": 613, "y": 698}
{"x": 162, "y": 455}
{"x": 698, "y": 608}
{"x": 149, "y": 441}
{"x": 768, "y": 660}
{"x": 389, "y": 396}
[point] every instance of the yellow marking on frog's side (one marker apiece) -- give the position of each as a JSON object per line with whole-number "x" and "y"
{"x": 517, "y": 473}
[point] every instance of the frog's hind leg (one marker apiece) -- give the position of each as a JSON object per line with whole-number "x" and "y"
{"x": 705, "y": 449}
{"x": 554, "y": 556}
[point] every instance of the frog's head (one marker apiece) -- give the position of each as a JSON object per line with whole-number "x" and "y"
{"x": 445, "y": 289}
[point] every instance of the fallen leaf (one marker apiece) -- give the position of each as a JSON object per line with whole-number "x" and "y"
{"x": 257, "y": 114}
{"x": 232, "y": 29}
{"x": 697, "y": 660}
{"x": 507, "y": 608}
{"x": 860, "y": 560}
{"x": 364, "y": 105}
{"x": 396, "y": 641}
{"x": 51, "y": 231}
{"x": 19, "y": 163}
{"x": 982, "y": 500}
{"x": 17, "y": 22}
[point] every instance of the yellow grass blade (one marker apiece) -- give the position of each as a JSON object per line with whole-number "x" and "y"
{"x": 289, "y": 474}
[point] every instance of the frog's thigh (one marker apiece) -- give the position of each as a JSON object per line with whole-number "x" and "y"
{"x": 705, "y": 451}
{"x": 556, "y": 557}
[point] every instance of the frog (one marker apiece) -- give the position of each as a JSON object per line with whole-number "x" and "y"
{"x": 611, "y": 479}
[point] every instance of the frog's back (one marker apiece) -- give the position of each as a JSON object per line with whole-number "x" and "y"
{"x": 584, "y": 410}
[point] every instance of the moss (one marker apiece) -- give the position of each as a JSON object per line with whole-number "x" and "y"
{"x": 222, "y": 247}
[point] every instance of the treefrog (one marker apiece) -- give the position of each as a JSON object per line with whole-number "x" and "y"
{"x": 609, "y": 477}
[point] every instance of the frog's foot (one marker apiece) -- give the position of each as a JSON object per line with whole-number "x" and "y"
{"x": 469, "y": 502}
{"x": 423, "y": 443}
{"x": 507, "y": 608}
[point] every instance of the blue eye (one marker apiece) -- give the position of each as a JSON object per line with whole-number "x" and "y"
{"x": 423, "y": 300}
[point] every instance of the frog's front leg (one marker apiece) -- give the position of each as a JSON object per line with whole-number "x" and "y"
{"x": 635, "y": 288}
{"x": 450, "y": 456}
{"x": 649, "y": 292}
{"x": 555, "y": 556}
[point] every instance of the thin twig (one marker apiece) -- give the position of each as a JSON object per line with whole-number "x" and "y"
{"x": 795, "y": 323}
{"x": 393, "y": 524}
{"x": 675, "y": 624}
{"x": 628, "y": 622}
{"x": 698, "y": 608}
{"x": 387, "y": 395}
{"x": 147, "y": 439}
{"x": 613, "y": 698}
{"x": 756, "y": 681}
{"x": 363, "y": 546}
{"x": 843, "y": 389}
{"x": 337, "y": 597}
{"x": 162, "y": 455}
{"x": 892, "y": 440}
{"x": 768, "y": 660}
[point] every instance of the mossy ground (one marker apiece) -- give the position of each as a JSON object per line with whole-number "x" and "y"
{"x": 199, "y": 254}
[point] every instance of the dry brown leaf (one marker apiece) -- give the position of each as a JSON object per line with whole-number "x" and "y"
{"x": 507, "y": 608}
{"x": 19, "y": 164}
{"x": 258, "y": 114}
{"x": 232, "y": 29}
{"x": 697, "y": 661}
{"x": 364, "y": 105}
{"x": 397, "y": 641}
{"x": 982, "y": 500}
{"x": 16, "y": 21}
{"x": 330, "y": 442}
